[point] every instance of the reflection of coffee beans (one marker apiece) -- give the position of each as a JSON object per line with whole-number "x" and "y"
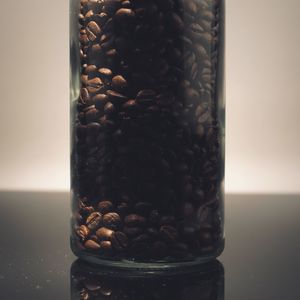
{"x": 88, "y": 282}
{"x": 147, "y": 162}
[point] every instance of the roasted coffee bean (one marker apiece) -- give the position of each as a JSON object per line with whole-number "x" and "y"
{"x": 105, "y": 245}
{"x": 119, "y": 82}
{"x": 109, "y": 109}
{"x": 125, "y": 14}
{"x": 104, "y": 233}
{"x": 131, "y": 107}
{"x": 94, "y": 85}
{"x": 94, "y": 28}
{"x": 168, "y": 233}
{"x": 132, "y": 231}
{"x": 82, "y": 232}
{"x": 112, "y": 221}
{"x": 91, "y": 71}
{"x": 91, "y": 245}
{"x": 105, "y": 72}
{"x": 119, "y": 240}
{"x": 105, "y": 207}
{"x": 100, "y": 100}
{"x": 84, "y": 295}
{"x": 93, "y": 220}
{"x": 84, "y": 95}
{"x": 116, "y": 97}
{"x": 93, "y": 129}
{"x": 135, "y": 220}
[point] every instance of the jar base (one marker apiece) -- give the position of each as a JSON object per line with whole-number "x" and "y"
{"x": 131, "y": 268}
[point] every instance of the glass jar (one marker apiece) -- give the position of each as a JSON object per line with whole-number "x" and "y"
{"x": 147, "y": 123}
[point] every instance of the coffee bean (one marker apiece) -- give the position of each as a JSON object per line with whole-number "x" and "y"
{"x": 132, "y": 231}
{"x": 94, "y": 28}
{"x": 90, "y": 69}
{"x": 82, "y": 232}
{"x": 116, "y": 97}
{"x": 84, "y": 295}
{"x": 91, "y": 245}
{"x": 92, "y": 115}
{"x": 112, "y": 221}
{"x": 168, "y": 233}
{"x": 84, "y": 95}
{"x": 119, "y": 82}
{"x": 131, "y": 107}
{"x": 119, "y": 241}
{"x": 105, "y": 245}
{"x": 125, "y": 14}
{"x": 93, "y": 220}
{"x": 104, "y": 233}
{"x": 93, "y": 129}
{"x": 105, "y": 72}
{"x": 100, "y": 100}
{"x": 105, "y": 207}
{"x": 94, "y": 85}
{"x": 135, "y": 220}
{"x": 109, "y": 108}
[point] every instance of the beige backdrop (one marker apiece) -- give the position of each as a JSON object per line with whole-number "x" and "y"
{"x": 263, "y": 103}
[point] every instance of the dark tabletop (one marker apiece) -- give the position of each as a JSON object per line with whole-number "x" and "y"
{"x": 260, "y": 261}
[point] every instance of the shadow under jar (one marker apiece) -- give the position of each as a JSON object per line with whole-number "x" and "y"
{"x": 147, "y": 123}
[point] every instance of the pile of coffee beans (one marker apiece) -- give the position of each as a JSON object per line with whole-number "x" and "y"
{"x": 147, "y": 163}
{"x": 87, "y": 283}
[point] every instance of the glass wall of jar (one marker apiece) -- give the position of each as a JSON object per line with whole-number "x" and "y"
{"x": 147, "y": 123}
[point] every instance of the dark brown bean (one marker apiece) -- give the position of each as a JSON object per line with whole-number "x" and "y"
{"x": 116, "y": 97}
{"x": 125, "y": 14}
{"x": 135, "y": 220}
{"x": 94, "y": 85}
{"x": 104, "y": 233}
{"x": 168, "y": 233}
{"x": 105, "y": 72}
{"x": 119, "y": 241}
{"x": 82, "y": 232}
{"x": 91, "y": 245}
{"x": 94, "y": 220}
{"x": 112, "y": 220}
{"x": 119, "y": 82}
{"x": 100, "y": 100}
{"x": 94, "y": 27}
{"x": 105, "y": 206}
{"x": 105, "y": 245}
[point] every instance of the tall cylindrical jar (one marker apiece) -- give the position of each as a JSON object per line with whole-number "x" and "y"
{"x": 147, "y": 126}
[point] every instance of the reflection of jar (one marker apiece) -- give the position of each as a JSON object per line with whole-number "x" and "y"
{"x": 147, "y": 131}
{"x": 205, "y": 284}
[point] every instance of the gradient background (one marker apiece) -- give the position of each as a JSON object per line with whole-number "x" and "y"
{"x": 263, "y": 103}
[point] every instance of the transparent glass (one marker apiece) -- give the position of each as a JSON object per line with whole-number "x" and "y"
{"x": 147, "y": 124}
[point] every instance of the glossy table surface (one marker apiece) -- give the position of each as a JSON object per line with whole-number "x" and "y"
{"x": 260, "y": 261}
